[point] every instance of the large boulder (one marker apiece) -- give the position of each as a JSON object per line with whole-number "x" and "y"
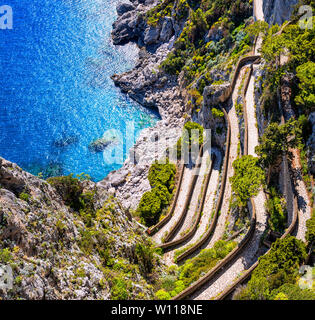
{"x": 215, "y": 94}
{"x": 124, "y": 7}
{"x": 127, "y": 27}
{"x": 151, "y": 35}
{"x": 167, "y": 30}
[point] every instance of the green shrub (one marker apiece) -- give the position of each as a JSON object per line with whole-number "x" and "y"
{"x": 293, "y": 292}
{"x": 280, "y": 266}
{"x": 5, "y": 255}
{"x": 162, "y": 295}
{"x": 162, "y": 180}
{"x": 24, "y": 196}
{"x": 306, "y": 95}
{"x": 276, "y": 141}
{"x": 162, "y": 173}
{"x": 120, "y": 289}
{"x": 152, "y": 203}
{"x": 71, "y": 191}
{"x": 247, "y": 180}
{"x": 144, "y": 257}
{"x": 277, "y": 210}
{"x": 217, "y": 113}
{"x": 69, "y": 188}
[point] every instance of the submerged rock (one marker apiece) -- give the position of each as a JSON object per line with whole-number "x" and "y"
{"x": 66, "y": 141}
{"x": 101, "y": 144}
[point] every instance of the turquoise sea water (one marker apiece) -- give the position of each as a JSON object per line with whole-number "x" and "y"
{"x": 56, "y": 95}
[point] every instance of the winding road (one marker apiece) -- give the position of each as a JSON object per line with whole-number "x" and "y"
{"x": 245, "y": 259}
{"x": 207, "y": 208}
{"x": 184, "y": 190}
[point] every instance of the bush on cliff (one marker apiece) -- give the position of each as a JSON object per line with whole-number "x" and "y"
{"x": 69, "y": 188}
{"x": 152, "y": 204}
{"x": 247, "y": 180}
{"x": 71, "y": 191}
{"x": 278, "y": 267}
{"x": 162, "y": 173}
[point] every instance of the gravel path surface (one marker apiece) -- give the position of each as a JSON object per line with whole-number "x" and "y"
{"x": 305, "y": 210}
{"x": 196, "y": 197}
{"x": 258, "y": 10}
{"x": 188, "y": 175}
{"x": 208, "y": 207}
{"x": 252, "y": 251}
{"x": 251, "y": 119}
{"x": 304, "y": 206}
{"x": 248, "y": 257}
{"x": 220, "y": 227}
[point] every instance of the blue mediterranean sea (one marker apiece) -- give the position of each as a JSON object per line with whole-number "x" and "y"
{"x": 56, "y": 95}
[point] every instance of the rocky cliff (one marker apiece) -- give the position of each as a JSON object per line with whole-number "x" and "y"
{"x": 151, "y": 87}
{"x": 57, "y": 252}
{"x": 278, "y": 11}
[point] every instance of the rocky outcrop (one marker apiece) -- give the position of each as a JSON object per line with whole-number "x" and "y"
{"x": 124, "y": 7}
{"x": 131, "y": 25}
{"x": 278, "y": 11}
{"x": 50, "y": 248}
{"x": 151, "y": 87}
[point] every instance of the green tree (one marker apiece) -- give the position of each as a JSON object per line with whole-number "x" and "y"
{"x": 310, "y": 225}
{"x": 306, "y": 96}
{"x": 247, "y": 180}
{"x": 278, "y": 267}
{"x": 162, "y": 173}
{"x": 152, "y": 203}
{"x": 276, "y": 141}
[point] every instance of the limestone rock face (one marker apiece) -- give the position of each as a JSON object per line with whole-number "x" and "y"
{"x": 42, "y": 240}
{"x": 127, "y": 27}
{"x": 215, "y": 94}
{"x": 124, "y": 7}
{"x": 167, "y": 30}
{"x": 151, "y": 35}
{"x": 278, "y": 11}
{"x": 151, "y": 87}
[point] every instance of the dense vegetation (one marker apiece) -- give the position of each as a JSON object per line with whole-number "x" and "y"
{"x": 310, "y": 233}
{"x": 276, "y": 142}
{"x": 247, "y": 180}
{"x": 276, "y": 207}
{"x": 153, "y": 202}
{"x": 277, "y": 274}
{"x": 192, "y": 136}
{"x": 71, "y": 191}
{"x": 97, "y": 228}
{"x": 213, "y": 34}
{"x": 182, "y": 277}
